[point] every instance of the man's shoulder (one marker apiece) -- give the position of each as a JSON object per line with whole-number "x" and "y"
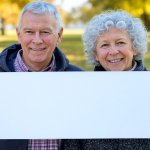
{"x": 7, "y": 57}
{"x": 71, "y": 67}
{"x": 11, "y": 49}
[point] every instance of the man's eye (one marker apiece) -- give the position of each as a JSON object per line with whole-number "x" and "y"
{"x": 45, "y": 32}
{"x": 28, "y": 32}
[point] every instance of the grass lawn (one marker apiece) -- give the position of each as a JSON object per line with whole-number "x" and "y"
{"x": 71, "y": 45}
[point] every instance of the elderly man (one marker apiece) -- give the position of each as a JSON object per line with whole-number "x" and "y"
{"x": 39, "y": 32}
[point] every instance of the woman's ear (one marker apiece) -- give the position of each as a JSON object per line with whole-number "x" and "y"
{"x": 135, "y": 53}
{"x": 96, "y": 56}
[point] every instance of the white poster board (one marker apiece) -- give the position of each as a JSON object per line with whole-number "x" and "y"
{"x": 75, "y": 105}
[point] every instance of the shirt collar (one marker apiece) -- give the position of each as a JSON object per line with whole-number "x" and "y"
{"x": 134, "y": 66}
{"x": 20, "y": 66}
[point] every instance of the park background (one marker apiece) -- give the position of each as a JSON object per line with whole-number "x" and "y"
{"x": 74, "y": 23}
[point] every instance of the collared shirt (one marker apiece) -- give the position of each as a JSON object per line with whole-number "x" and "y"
{"x": 134, "y": 66}
{"x": 37, "y": 144}
{"x": 43, "y": 144}
{"x": 20, "y": 66}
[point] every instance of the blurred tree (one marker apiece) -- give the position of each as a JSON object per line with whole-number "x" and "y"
{"x": 9, "y": 12}
{"x": 73, "y": 16}
{"x": 138, "y": 8}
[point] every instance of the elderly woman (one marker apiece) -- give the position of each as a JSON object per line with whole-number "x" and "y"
{"x": 115, "y": 41}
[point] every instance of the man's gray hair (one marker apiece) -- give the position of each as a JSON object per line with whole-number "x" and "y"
{"x": 41, "y": 7}
{"x": 115, "y": 19}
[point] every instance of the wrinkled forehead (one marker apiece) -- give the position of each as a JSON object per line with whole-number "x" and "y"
{"x": 49, "y": 15}
{"x": 114, "y": 30}
{"x": 38, "y": 21}
{"x": 31, "y": 19}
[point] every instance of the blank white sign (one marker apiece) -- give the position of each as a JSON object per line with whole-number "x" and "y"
{"x": 75, "y": 105}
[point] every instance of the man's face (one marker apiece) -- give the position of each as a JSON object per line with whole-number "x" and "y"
{"x": 38, "y": 36}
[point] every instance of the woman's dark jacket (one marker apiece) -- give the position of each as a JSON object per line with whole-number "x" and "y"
{"x": 139, "y": 67}
{"x": 106, "y": 144}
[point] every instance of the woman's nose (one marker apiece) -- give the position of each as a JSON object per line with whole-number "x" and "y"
{"x": 113, "y": 50}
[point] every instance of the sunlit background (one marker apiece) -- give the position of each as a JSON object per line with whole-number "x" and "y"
{"x": 75, "y": 14}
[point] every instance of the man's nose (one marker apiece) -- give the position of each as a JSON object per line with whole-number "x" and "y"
{"x": 37, "y": 38}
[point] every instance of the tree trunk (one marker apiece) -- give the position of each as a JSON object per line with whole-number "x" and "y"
{"x": 2, "y": 26}
{"x": 146, "y": 20}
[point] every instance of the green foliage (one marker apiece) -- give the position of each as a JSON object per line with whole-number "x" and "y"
{"x": 10, "y": 15}
{"x": 10, "y": 10}
{"x": 72, "y": 46}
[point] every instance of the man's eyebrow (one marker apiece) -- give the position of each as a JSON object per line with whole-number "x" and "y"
{"x": 48, "y": 28}
{"x": 27, "y": 29}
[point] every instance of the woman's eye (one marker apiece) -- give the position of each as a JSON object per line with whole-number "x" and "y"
{"x": 104, "y": 45}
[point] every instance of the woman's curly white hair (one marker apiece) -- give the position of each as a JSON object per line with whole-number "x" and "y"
{"x": 120, "y": 20}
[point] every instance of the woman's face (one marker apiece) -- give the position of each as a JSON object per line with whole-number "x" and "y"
{"x": 114, "y": 50}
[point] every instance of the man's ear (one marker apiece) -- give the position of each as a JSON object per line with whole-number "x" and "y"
{"x": 18, "y": 34}
{"x": 60, "y": 32}
{"x": 60, "y": 35}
